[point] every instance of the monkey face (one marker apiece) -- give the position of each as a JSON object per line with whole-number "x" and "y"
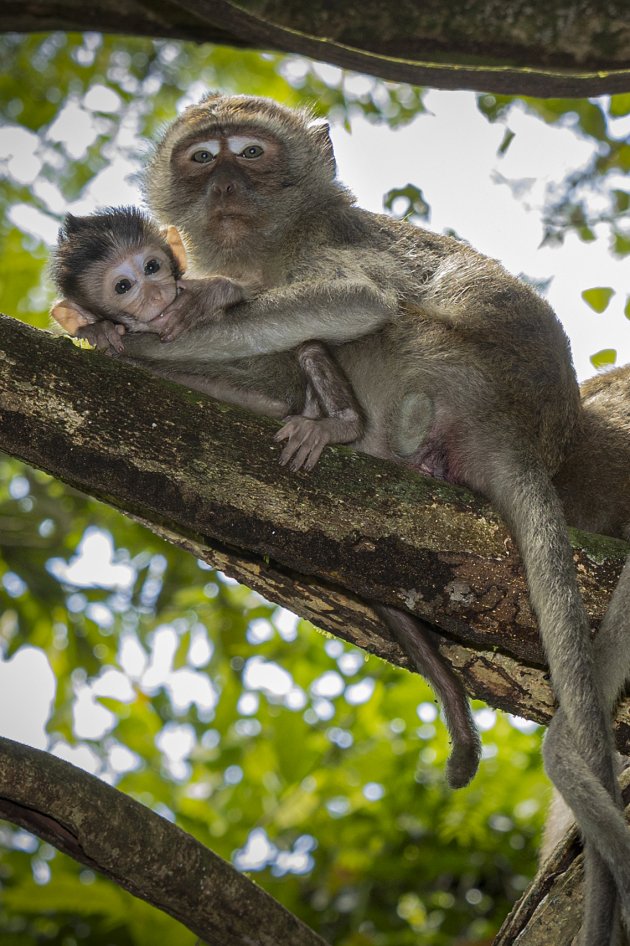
{"x": 237, "y": 174}
{"x": 233, "y": 181}
{"x": 135, "y": 287}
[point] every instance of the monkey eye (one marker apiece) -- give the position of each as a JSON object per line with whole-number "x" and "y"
{"x": 151, "y": 266}
{"x": 252, "y": 151}
{"x": 202, "y": 156}
{"x": 122, "y": 286}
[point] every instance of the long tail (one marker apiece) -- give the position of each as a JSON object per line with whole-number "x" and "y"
{"x": 607, "y": 850}
{"x": 415, "y": 638}
{"x": 522, "y": 491}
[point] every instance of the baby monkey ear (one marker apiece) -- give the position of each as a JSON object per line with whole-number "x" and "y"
{"x": 174, "y": 240}
{"x": 71, "y": 316}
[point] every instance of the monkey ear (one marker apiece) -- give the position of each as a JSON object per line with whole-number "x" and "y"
{"x": 320, "y": 131}
{"x": 71, "y": 316}
{"x": 174, "y": 240}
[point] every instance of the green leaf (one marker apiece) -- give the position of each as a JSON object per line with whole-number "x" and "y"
{"x": 598, "y": 298}
{"x": 621, "y": 245}
{"x": 416, "y": 207}
{"x": 619, "y": 105}
{"x": 508, "y": 138}
{"x": 622, "y": 200}
{"x": 604, "y": 358}
{"x": 626, "y": 310}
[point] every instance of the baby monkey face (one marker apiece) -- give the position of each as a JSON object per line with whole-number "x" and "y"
{"x": 137, "y": 286}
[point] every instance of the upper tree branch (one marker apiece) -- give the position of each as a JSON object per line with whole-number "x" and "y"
{"x": 543, "y": 47}
{"x": 206, "y": 476}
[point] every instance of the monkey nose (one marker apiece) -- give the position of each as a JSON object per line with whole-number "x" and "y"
{"x": 223, "y": 188}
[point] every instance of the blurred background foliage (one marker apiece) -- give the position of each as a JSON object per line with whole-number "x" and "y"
{"x": 315, "y": 769}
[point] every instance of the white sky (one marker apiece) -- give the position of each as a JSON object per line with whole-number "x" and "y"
{"x": 450, "y": 153}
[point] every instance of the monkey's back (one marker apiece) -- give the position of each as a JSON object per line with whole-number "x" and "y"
{"x": 594, "y": 480}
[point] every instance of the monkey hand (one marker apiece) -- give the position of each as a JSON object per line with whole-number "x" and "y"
{"x": 306, "y": 440}
{"x": 198, "y": 302}
{"x": 104, "y": 335}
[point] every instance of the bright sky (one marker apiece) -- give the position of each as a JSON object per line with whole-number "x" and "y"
{"x": 450, "y": 153}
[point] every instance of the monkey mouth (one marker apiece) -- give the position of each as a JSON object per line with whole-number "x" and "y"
{"x": 230, "y": 214}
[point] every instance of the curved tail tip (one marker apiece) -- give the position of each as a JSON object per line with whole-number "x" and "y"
{"x": 462, "y": 764}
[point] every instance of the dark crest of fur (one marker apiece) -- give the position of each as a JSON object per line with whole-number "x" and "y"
{"x": 104, "y": 235}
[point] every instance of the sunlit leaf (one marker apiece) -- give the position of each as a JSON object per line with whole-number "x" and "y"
{"x": 619, "y": 105}
{"x": 508, "y": 138}
{"x": 598, "y": 298}
{"x": 604, "y": 358}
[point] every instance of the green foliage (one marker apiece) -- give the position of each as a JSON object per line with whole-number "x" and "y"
{"x": 261, "y": 736}
{"x": 414, "y": 206}
{"x": 570, "y": 206}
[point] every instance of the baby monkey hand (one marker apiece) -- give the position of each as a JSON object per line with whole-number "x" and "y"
{"x": 306, "y": 438}
{"x": 103, "y": 335}
{"x": 198, "y": 302}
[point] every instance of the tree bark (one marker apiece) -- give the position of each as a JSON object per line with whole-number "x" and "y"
{"x": 153, "y": 859}
{"x": 543, "y": 48}
{"x": 206, "y": 477}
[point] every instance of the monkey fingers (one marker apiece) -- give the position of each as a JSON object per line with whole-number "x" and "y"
{"x": 178, "y": 317}
{"x": 199, "y": 301}
{"x": 103, "y": 335}
{"x": 306, "y": 440}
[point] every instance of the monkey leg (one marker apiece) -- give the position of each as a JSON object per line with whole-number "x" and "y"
{"x": 415, "y": 639}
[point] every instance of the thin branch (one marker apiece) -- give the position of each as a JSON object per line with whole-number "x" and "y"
{"x": 550, "y": 910}
{"x": 151, "y": 858}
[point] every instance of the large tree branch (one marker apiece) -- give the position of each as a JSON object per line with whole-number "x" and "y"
{"x": 544, "y": 47}
{"x": 206, "y": 476}
{"x": 155, "y": 860}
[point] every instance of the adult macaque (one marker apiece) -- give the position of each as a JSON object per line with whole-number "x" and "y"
{"x": 461, "y": 370}
{"x": 118, "y": 271}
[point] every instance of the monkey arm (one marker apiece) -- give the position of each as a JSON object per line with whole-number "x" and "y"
{"x": 103, "y": 335}
{"x": 198, "y": 302}
{"x": 278, "y": 320}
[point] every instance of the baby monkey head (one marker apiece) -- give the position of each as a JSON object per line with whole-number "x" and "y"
{"x": 117, "y": 265}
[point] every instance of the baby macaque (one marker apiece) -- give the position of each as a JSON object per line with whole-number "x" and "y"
{"x": 118, "y": 272}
